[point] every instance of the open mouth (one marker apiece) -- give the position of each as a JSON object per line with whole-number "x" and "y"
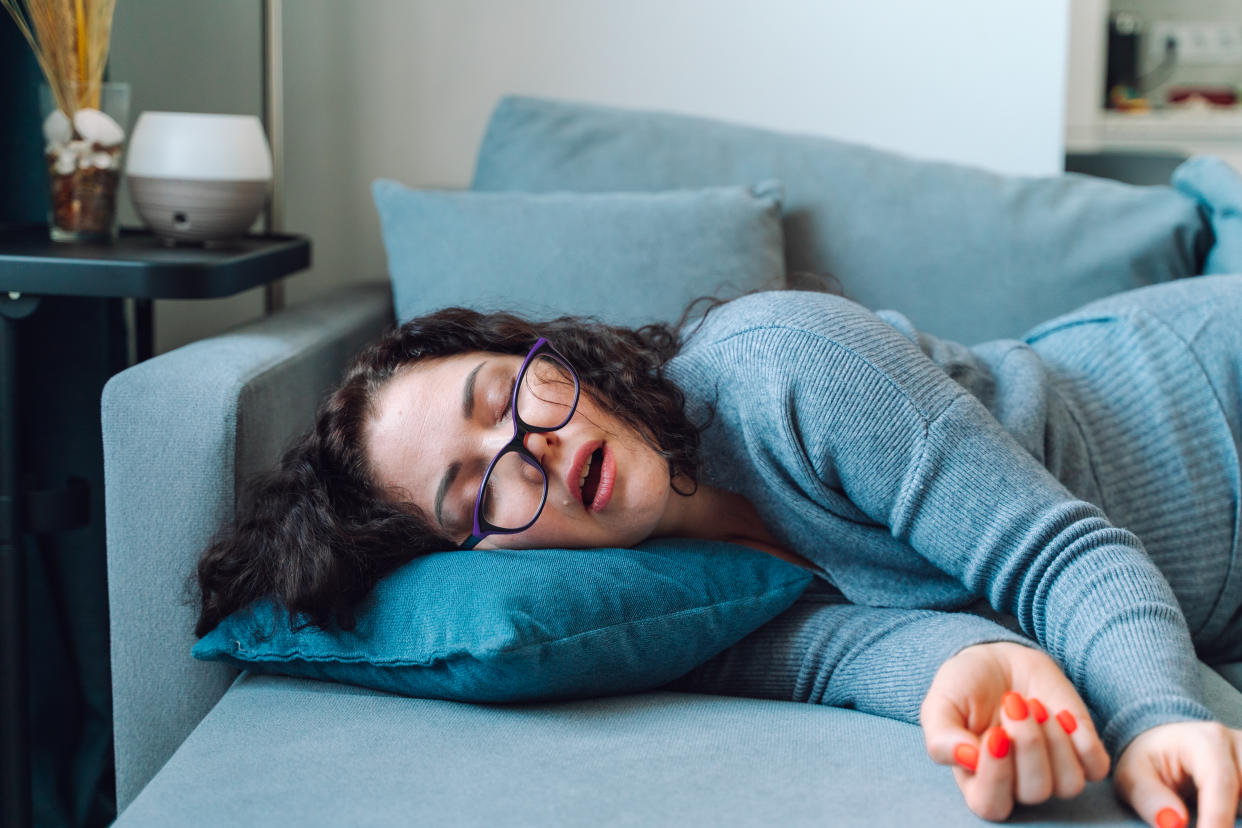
{"x": 592, "y": 472}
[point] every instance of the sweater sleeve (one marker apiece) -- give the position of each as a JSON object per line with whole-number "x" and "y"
{"x": 821, "y": 651}
{"x": 929, "y": 461}
{"x": 977, "y": 505}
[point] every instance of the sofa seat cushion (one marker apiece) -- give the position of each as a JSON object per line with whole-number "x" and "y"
{"x": 281, "y": 751}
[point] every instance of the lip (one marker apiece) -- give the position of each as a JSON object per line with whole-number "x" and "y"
{"x": 575, "y": 468}
{"x": 607, "y": 477}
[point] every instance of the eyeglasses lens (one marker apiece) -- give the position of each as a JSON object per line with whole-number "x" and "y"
{"x": 515, "y": 489}
{"x": 546, "y": 396}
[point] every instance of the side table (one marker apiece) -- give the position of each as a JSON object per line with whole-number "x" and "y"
{"x": 33, "y": 270}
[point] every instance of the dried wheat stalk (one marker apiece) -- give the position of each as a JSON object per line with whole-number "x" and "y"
{"x": 70, "y": 40}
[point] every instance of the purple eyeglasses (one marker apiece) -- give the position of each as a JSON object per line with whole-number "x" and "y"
{"x": 515, "y": 486}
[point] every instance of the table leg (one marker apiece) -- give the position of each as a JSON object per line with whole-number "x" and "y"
{"x": 144, "y": 329}
{"x": 14, "y": 664}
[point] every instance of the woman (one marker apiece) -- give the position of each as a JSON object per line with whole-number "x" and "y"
{"x": 917, "y": 477}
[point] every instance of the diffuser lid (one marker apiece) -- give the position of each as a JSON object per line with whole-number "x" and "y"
{"x": 199, "y": 146}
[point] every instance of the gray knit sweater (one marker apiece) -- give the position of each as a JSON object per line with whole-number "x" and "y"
{"x": 924, "y": 478}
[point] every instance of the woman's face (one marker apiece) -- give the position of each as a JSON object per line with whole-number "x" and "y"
{"x": 440, "y": 422}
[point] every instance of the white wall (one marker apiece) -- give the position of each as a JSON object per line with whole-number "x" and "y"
{"x": 403, "y": 88}
{"x": 1088, "y": 47}
{"x": 183, "y": 56}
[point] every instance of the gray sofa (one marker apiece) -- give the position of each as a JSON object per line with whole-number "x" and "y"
{"x": 200, "y": 744}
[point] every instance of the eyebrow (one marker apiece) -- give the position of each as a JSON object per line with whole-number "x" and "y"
{"x": 467, "y": 412}
{"x": 467, "y": 395}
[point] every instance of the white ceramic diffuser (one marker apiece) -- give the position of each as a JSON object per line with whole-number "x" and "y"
{"x": 198, "y": 177}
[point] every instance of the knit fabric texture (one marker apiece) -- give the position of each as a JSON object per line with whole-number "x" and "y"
{"x": 924, "y": 478}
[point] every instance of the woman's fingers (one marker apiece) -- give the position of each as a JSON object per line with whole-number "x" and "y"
{"x": 982, "y": 765}
{"x": 1216, "y": 776}
{"x": 1067, "y": 771}
{"x": 1004, "y": 746}
{"x": 945, "y": 733}
{"x": 1033, "y": 774}
{"x": 990, "y": 794}
{"x": 1076, "y": 723}
{"x": 1237, "y": 756}
{"x": 1065, "y": 714}
{"x": 1205, "y": 765}
{"x": 1027, "y": 759}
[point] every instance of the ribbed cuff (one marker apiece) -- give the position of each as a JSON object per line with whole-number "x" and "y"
{"x": 1144, "y": 715}
{"x": 1133, "y": 662}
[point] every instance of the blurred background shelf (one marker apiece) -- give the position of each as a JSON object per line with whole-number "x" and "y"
{"x": 1151, "y": 50}
{"x": 1160, "y": 133}
{"x": 1172, "y": 125}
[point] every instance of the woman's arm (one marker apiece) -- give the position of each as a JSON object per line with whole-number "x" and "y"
{"x": 823, "y": 650}
{"x": 957, "y": 675}
{"x": 977, "y": 505}
{"x": 914, "y": 451}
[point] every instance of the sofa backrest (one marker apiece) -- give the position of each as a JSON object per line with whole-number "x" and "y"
{"x": 965, "y": 253}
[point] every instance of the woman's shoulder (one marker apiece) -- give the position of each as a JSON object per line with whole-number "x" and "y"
{"x": 789, "y": 336}
{"x": 801, "y": 318}
{"x": 777, "y": 311}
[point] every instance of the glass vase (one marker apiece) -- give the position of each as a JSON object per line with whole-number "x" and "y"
{"x": 84, "y": 130}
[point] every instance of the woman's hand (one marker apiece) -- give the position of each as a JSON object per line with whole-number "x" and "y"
{"x": 1162, "y": 768}
{"x": 1012, "y": 727}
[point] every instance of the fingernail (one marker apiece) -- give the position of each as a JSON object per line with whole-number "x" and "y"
{"x": 1169, "y": 818}
{"x": 1015, "y": 706}
{"x": 1041, "y": 714}
{"x": 967, "y": 756}
{"x": 998, "y": 742}
{"x": 1067, "y": 721}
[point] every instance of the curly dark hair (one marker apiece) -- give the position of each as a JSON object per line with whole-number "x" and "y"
{"x": 317, "y": 533}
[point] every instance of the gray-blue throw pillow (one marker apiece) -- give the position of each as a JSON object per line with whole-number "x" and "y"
{"x": 1217, "y": 187}
{"x": 965, "y": 253}
{"x": 527, "y": 625}
{"x": 626, "y": 258}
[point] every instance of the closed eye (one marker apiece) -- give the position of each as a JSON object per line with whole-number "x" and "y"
{"x": 508, "y": 409}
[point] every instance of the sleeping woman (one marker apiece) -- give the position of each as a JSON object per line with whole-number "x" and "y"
{"x": 1016, "y": 543}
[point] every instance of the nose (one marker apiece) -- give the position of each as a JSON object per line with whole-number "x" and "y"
{"x": 538, "y": 444}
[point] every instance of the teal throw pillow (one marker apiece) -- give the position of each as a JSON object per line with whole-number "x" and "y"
{"x": 528, "y": 625}
{"x": 1217, "y": 187}
{"x": 965, "y": 253}
{"x": 626, "y": 258}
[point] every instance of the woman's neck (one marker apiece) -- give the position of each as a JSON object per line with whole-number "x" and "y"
{"x": 718, "y": 514}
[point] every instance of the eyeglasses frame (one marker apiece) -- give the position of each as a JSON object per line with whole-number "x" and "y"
{"x": 517, "y": 445}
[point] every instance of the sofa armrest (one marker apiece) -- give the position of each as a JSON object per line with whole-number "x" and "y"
{"x": 180, "y": 432}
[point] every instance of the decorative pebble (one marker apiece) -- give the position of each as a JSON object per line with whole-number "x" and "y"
{"x": 57, "y": 129}
{"x": 65, "y": 163}
{"x": 102, "y": 160}
{"x": 97, "y": 127}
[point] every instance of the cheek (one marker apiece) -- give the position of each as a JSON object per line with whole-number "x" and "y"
{"x": 647, "y": 482}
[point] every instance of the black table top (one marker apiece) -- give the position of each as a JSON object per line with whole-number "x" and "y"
{"x": 140, "y": 265}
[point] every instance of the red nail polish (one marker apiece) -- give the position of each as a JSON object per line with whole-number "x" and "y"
{"x": 967, "y": 756}
{"x": 998, "y": 742}
{"x": 1041, "y": 714}
{"x": 1169, "y": 818}
{"x": 1067, "y": 721}
{"x": 1015, "y": 706}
